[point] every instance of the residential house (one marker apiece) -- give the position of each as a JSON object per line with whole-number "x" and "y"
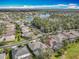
{"x": 61, "y": 37}
{"x": 21, "y": 53}
{"x": 26, "y": 31}
{"x": 76, "y": 33}
{"x": 54, "y": 42}
{"x": 37, "y": 47}
{"x": 9, "y": 34}
{"x": 71, "y": 36}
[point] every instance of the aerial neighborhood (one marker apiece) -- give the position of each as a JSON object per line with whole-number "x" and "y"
{"x": 37, "y": 35}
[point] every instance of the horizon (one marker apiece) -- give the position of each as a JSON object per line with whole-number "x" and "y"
{"x": 58, "y": 6}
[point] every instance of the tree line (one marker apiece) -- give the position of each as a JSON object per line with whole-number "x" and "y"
{"x": 56, "y": 22}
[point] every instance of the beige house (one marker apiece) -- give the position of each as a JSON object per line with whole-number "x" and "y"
{"x": 9, "y": 34}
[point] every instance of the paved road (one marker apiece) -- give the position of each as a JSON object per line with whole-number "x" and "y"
{"x": 16, "y": 44}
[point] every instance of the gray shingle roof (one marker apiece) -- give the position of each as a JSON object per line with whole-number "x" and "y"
{"x": 35, "y": 45}
{"x": 20, "y": 51}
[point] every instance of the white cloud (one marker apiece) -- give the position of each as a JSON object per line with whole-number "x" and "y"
{"x": 61, "y": 5}
{"x": 72, "y": 6}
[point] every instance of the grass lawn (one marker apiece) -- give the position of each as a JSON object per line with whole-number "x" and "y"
{"x": 71, "y": 53}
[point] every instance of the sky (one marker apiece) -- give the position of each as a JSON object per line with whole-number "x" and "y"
{"x": 42, "y": 3}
